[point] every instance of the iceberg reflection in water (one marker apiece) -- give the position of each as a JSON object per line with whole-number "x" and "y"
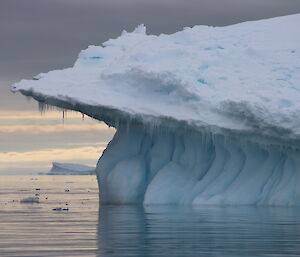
{"x": 35, "y": 229}
{"x": 207, "y": 231}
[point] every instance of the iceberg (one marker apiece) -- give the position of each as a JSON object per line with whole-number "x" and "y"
{"x": 34, "y": 199}
{"x": 70, "y": 169}
{"x": 207, "y": 115}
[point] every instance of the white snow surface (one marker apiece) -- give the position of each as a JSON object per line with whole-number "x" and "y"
{"x": 186, "y": 107}
{"x": 243, "y": 77}
{"x": 70, "y": 168}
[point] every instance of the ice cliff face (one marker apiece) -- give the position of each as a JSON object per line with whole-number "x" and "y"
{"x": 203, "y": 116}
{"x": 185, "y": 167}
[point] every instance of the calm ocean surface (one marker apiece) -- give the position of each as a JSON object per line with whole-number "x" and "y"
{"x": 35, "y": 229}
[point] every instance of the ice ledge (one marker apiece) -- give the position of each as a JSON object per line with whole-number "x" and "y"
{"x": 114, "y": 117}
{"x": 240, "y": 79}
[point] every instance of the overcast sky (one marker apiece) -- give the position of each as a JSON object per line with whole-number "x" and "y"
{"x": 40, "y": 35}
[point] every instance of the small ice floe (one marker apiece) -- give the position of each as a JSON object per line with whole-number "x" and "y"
{"x": 30, "y": 200}
{"x": 35, "y": 207}
{"x": 34, "y": 179}
{"x": 60, "y": 209}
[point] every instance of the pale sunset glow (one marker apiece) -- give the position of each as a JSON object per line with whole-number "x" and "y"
{"x": 17, "y": 159}
{"x": 31, "y": 140}
{"x": 36, "y": 129}
{"x": 55, "y": 114}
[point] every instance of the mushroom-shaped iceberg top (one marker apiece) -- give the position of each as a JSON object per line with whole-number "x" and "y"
{"x": 207, "y": 115}
{"x": 243, "y": 77}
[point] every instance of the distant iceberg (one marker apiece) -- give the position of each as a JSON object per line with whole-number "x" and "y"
{"x": 207, "y": 115}
{"x": 70, "y": 169}
{"x": 34, "y": 199}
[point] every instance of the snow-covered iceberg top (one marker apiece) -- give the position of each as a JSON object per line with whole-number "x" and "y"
{"x": 243, "y": 78}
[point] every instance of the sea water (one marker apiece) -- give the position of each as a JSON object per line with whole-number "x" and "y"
{"x": 68, "y": 221}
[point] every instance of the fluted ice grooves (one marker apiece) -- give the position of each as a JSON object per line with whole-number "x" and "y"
{"x": 213, "y": 112}
{"x": 176, "y": 167}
